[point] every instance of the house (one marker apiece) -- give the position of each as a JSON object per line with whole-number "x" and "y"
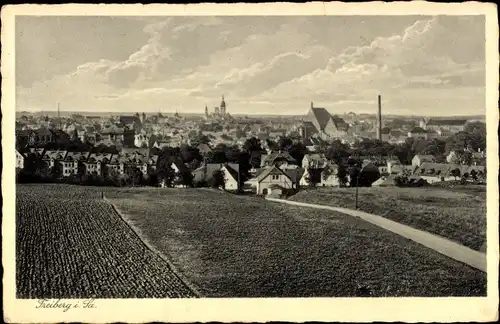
{"x": 273, "y": 175}
{"x": 152, "y": 162}
{"x": 60, "y": 137}
{"x": 130, "y": 121}
{"x": 436, "y": 172}
{"x": 451, "y": 125}
{"x": 141, "y": 139}
{"x": 315, "y": 173}
{"x": 112, "y": 133}
{"x": 385, "y": 181}
{"x": 314, "y": 161}
{"x": 19, "y": 160}
{"x": 204, "y": 149}
{"x": 116, "y": 164}
{"x": 51, "y": 156}
{"x": 279, "y": 159}
{"x": 231, "y": 171}
{"x": 70, "y": 162}
{"x": 417, "y": 132}
{"x": 95, "y": 162}
{"x": 178, "y": 166}
{"x": 205, "y": 173}
{"x": 419, "y": 159}
{"x": 369, "y": 172}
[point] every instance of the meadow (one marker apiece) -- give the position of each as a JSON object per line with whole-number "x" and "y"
{"x": 240, "y": 246}
{"x": 457, "y": 213}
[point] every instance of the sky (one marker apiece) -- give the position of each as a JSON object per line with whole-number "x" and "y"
{"x": 420, "y": 65}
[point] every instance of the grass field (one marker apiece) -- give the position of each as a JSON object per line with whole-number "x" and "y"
{"x": 457, "y": 213}
{"x": 72, "y": 244}
{"x": 234, "y": 246}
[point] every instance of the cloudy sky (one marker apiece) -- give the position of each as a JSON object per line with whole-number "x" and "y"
{"x": 419, "y": 64}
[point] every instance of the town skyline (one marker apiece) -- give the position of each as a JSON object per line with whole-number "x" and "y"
{"x": 421, "y": 65}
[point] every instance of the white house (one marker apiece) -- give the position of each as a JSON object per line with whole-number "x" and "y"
{"x": 314, "y": 161}
{"x": 273, "y": 175}
{"x": 419, "y": 159}
{"x": 19, "y": 160}
{"x": 230, "y": 176}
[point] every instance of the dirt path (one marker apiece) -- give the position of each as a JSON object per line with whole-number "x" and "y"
{"x": 437, "y": 243}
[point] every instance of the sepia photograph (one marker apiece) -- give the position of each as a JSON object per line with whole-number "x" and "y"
{"x": 248, "y": 156}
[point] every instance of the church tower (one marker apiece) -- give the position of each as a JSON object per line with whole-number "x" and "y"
{"x": 206, "y": 111}
{"x": 223, "y": 107}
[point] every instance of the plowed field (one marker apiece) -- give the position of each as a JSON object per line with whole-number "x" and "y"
{"x": 72, "y": 244}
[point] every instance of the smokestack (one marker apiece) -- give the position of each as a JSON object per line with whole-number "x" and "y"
{"x": 379, "y": 119}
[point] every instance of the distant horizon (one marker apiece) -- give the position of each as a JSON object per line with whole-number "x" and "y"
{"x": 273, "y": 65}
{"x": 69, "y": 112}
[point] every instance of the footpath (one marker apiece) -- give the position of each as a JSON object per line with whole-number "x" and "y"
{"x": 437, "y": 243}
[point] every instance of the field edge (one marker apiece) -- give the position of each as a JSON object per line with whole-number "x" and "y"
{"x": 165, "y": 258}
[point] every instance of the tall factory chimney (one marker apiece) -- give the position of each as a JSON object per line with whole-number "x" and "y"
{"x": 379, "y": 118}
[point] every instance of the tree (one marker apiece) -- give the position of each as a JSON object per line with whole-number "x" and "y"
{"x": 252, "y": 145}
{"x": 326, "y": 173}
{"x": 473, "y": 175}
{"x": 56, "y": 170}
{"x": 342, "y": 175}
{"x": 338, "y": 152}
{"x": 284, "y": 144}
{"x": 218, "y": 179}
{"x": 165, "y": 172}
{"x": 186, "y": 178}
{"x": 313, "y": 176}
{"x": 298, "y": 151}
{"x": 81, "y": 170}
{"x": 455, "y": 173}
{"x": 255, "y": 159}
{"x": 401, "y": 180}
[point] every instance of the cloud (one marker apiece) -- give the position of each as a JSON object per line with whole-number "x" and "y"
{"x": 285, "y": 62}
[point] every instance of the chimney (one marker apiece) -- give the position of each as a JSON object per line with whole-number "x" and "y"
{"x": 311, "y": 104}
{"x": 379, "y": 119}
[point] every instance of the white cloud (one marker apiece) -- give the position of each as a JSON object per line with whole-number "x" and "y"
{"x": 190, "y": 61}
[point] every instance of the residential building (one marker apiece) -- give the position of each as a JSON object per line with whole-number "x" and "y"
{"x": 417, "y": 132}
{"x": 451, "y": 125}
{"x": 19, "y": 160}
{"x": 419, "y": 159}
{"x": 316, "y": 161}
{"x": 273, "y": 175}
{"x": 230, "y": 170}
{"x": 279, "y": 159}
{"x": 95, "y": 162}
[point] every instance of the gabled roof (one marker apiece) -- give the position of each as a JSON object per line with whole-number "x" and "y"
{"x": 59, "y": 155}
{"x": 204, "y": 148}
{"x": 294, "y": 174}
{"x": 206, "y": 170}
{"x": 179, "y": 165}
{"x": 77, "y": 155}
{"x": 270, "y": 158}
{"x": 233, "y": 170}
{"x": 425, "y": 158}
{"x": 315, "y": 157}
{"x": 418, "y": 130}
{"x": 321, "y": 117}
{"x": 273, "y": 170}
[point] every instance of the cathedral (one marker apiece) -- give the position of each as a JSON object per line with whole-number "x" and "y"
{"x": 219, "y": 112}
